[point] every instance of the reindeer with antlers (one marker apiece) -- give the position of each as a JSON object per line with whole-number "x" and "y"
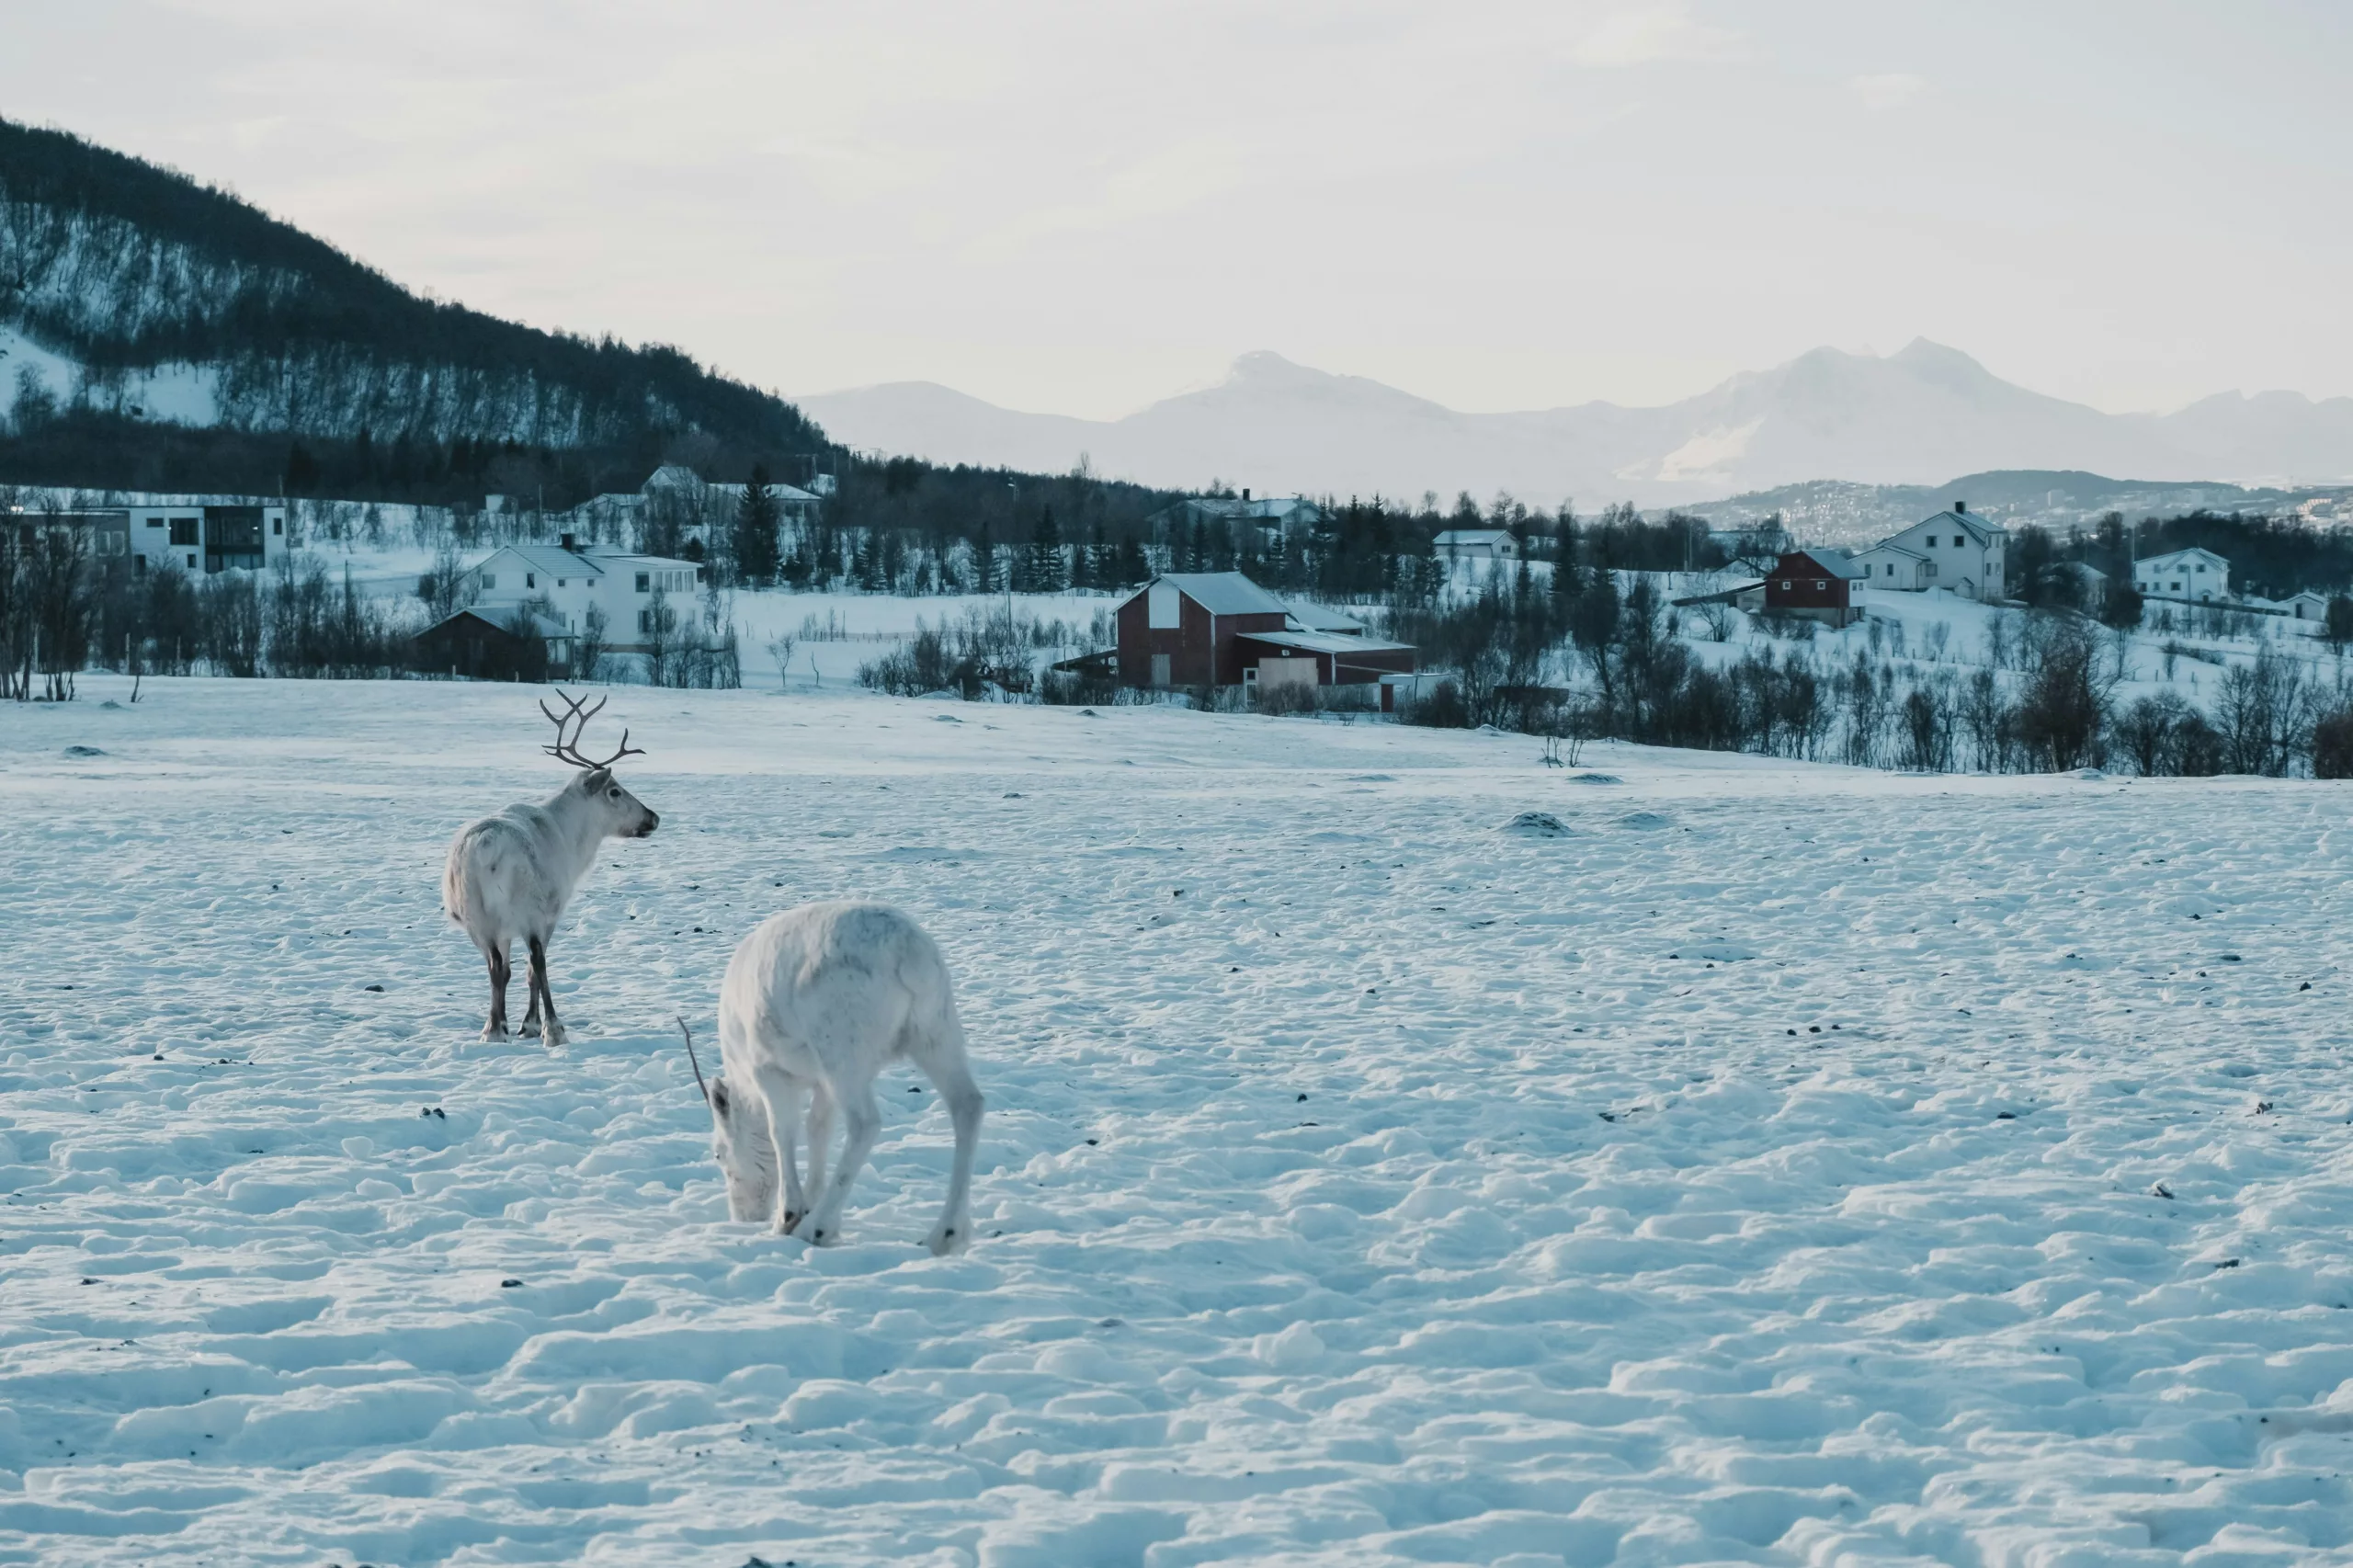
{"x": 509, "y": 876}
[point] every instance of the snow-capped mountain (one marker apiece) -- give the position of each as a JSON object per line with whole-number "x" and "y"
{"x": 1916, "y": 417}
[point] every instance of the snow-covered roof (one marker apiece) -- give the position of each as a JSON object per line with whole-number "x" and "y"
{"x": 1834, "y": 562}
{"x": 1316, "y": 617}
{"x": 552, "y": 559}
{"x": 1985, "y": 532}
{"x": 556, "y": 560}
{"x": 1472, "y": 535}
{"x": 1891, "y": 549}
{"x": 1264, "y": 507}
{"x": 1225, "y": 593}
{"x": 2173, "y": 558}
{"x": 1325, "y": 642}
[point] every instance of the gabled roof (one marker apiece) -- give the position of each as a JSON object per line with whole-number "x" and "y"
{"x": 2198, "y": 552}
{"x": 1223, "y": 593}
{"x": 1472, "y": 535}
{"x": 539, "y": 625}
{"x": 1834, "y": 562}
{"x": 1886, "y": 549}
{"x": 552, "y": 559}
{"x": 557, "y": 562}
{"x": 1263, "y": 507}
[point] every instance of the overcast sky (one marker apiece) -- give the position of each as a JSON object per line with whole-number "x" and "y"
{"x": 1082, "y": 207}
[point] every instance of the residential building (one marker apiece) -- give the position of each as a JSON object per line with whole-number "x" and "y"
{"x": 1814, "y": 583}
{"x": 2199, "y": 576}
{"x": 1221, "y": 629}
{"x": 1279, "y": 516}
{"x": 562, "y": 583}
{"x": 1476, "y": 544}
{"x": 1957, "y": 551}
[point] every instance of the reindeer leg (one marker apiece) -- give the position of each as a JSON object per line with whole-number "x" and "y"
{"x": 552, "y": 1032}
{"x": 530, "y": 1025}
{"x": 499, "y": 972}
{"x": 862, "y": 1121}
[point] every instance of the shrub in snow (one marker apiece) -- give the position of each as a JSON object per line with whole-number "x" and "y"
{"x": 817, "y": 1002}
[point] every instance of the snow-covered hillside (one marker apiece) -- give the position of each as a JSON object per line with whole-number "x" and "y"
{"x": 1767, "y": 1163}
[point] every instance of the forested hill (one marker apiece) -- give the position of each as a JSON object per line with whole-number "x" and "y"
{"x": 160, "y": 333}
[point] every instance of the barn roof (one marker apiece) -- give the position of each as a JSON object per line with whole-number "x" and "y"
{"x": 1326, "y": 642}
{"x": 1316, "y": 617}
{"x": 1225, "y": 593}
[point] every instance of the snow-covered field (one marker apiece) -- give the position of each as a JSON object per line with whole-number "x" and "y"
{"x": 1779, "y": 1164}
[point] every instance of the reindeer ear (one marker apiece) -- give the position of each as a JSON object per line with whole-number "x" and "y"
{"x": 595, "y": 779}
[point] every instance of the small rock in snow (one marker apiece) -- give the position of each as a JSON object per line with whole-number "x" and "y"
{"x": 83, "y": 751}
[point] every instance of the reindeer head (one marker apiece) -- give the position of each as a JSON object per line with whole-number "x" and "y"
{"x": 739, "y": 1138}
{"x": 623, "y": 815}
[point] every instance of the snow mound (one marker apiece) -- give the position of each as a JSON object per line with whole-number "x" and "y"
{"x": 1594, "y": 778}
{"x": 1537, "y": 824}
{"x": 1646, "y": 822}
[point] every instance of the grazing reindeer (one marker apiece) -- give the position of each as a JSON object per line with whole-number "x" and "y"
{"x": 817, "y": 1002}
{"x": 509, "y": 876}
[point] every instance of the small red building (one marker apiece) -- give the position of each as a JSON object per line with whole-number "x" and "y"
{"x": 1221, "y": 628}
{"x": 1814, "y": 583}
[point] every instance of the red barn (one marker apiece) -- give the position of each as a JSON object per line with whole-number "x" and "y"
{"x": 1221, "y": 628}
{"x": 1815, "y": 584}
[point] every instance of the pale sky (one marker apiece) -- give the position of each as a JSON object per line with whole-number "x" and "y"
{"x": 1080, "y": 208}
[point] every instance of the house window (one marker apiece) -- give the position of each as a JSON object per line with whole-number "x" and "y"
{"x": 183, "y": 531}
{"x": 1927, "y": 568}
{"x": 644, "y": 582}
{"x": 1785, "y": 587}
{"x": 154, "y": 522}
{"x": 489, "y": 581}
{"x": 139, "y": 563}
{"x": 278, "y": 525}
{"x": 1821, "y": 588}
{"x": 645, "y": 620}
{"x": 191, "y": 561}
{"x": 560, "y": 583}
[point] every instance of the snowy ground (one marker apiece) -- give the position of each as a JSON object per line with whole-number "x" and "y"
{"x": 1363, "y": 1185}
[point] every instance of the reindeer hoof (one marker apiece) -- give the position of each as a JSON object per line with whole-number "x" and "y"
{"x": 789, "y": 1221}
{"x": 494, "y": 1031}
{"x": 946, "y": 1238}
{"x": 552, "y": 1036}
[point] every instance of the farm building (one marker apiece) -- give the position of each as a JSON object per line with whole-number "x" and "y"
{"x": 1476, "y": 544}
{"x": 480, "y": 645}
{"x": 1815, "y": 584}
{"x": 565, "y": 582}
{"x": 1221, "y": 629}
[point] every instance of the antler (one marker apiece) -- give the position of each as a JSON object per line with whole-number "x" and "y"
{"x": 690, "y": 1059}
{"x": 567, "y": 749}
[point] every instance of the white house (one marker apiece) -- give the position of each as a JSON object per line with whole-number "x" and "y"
{"x": 697, "y": 504}
{"x": 1477, "y": 544}
{"x": 562, "y": 583}
{"x": 2200, "y": 576}
{"x": 1956, "y": 550}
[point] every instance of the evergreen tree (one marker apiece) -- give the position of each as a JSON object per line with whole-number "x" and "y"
{"x": 1046, "y": 572}
{"x": 758, "y": 554}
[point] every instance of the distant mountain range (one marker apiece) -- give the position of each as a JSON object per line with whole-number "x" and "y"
{"x": 1908, "y": 418}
